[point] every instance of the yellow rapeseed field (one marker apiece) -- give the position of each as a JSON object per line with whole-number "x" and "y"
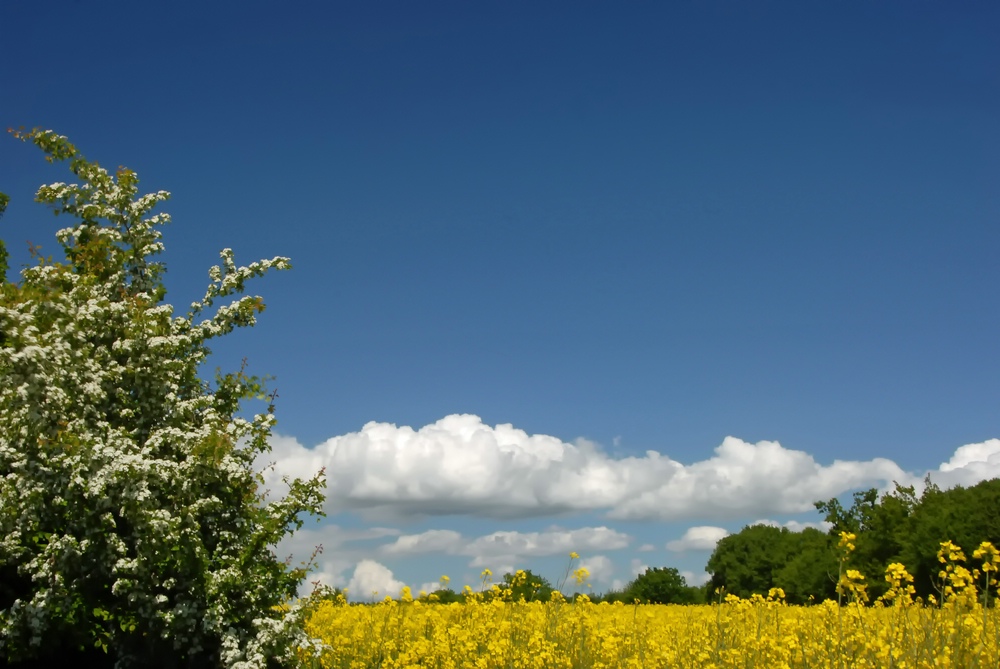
{"x": 961, "y": 629}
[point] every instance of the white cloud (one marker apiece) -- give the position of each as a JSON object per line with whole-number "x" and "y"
{"x": 984, "y": 453}
{"x": 747, "y": 478}
{"x": 637, "y": 567}
{"x": 700, "y": 538}
{"x": 338, "y": 551}
{"x": 506, "y": 548}
{"x": 646, "y": 548}
{"x": 696, "y": 578}
{"x": 372, "y": 580}
{"x": 459, "y": 465}
{"x": 498, "y": 570}
{"x": 513, "y": 546}
{"x": 429, "y": 587}
{"x": 969, "y": 465}
{"x": 601, "y": 570}
{"x": 795, "y": 525}
{"x": 432, "y": 541}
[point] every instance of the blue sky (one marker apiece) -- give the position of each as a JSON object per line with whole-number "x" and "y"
{"x": 755, "y": 239}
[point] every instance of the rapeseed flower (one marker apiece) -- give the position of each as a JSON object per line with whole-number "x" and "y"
{"x": 759, "y": 632}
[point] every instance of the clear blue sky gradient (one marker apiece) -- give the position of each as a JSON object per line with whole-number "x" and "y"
{"x": 651, "y": 225}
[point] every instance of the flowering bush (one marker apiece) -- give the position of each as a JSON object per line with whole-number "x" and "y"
{"x": 131, "y": 515}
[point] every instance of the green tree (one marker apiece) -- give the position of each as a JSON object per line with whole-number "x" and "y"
{"x": 612, "y": 596}
{"x": 445, "y": 596}
{"x": 900, "y": 527}
{"x": 881, "y": 524}
{"x": 810, "y": 571}
{"x": 528, "y": 585}
{"x": 748, "y": 562}
{"x": 131, "y": 512}
{"x": 661, "y": 585}
{"x": 967, "y": 516}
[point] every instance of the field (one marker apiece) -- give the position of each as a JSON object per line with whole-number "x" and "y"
{"x": 960, "y": 629}
{"x": 759, "y": 632}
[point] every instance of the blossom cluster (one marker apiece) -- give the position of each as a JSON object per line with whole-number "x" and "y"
{"x": 130, "y": 511}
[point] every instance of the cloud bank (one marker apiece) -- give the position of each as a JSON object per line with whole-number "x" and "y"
{"x": 459, "y": 465}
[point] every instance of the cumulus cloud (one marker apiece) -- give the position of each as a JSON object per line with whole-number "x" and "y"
{"x": 646, "y": 548}
{"x": 429, "y": 587}
{"x": 700, "y": 538}
{"x": 601, "y": 569}
{"x": 970, "y": 464}
{"x": 743, "y": 477}
{"x": 373, "y": 580}
{"x": 459, "y": 465}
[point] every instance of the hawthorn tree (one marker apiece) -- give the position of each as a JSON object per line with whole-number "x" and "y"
{"x": 132, "y": 516}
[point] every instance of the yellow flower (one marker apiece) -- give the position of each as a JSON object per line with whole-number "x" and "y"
{"x": 490, "y": 631}
{"x": 847, "y": 541}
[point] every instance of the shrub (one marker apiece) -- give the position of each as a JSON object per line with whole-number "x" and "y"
{"x": 131, "y": 513}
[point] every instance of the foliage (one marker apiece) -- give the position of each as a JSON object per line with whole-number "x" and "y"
{"x": 4, "y": 200}
{"x": 661, "y": 585}
{"x": 900, "y": 527}
{"x": 613, "y": 595}
{"x": 131, "y": 515}
{"x": 880, "y": 523}
{"x": 527, "y": 585}
{"x": 445, "y": 596}
{"x": 893, "y": 528}
{"x": 748, "y": 562}
{"x": 810, "y": 569}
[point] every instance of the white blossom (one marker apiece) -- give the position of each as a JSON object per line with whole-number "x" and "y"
{"x": 126, "y": 482}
